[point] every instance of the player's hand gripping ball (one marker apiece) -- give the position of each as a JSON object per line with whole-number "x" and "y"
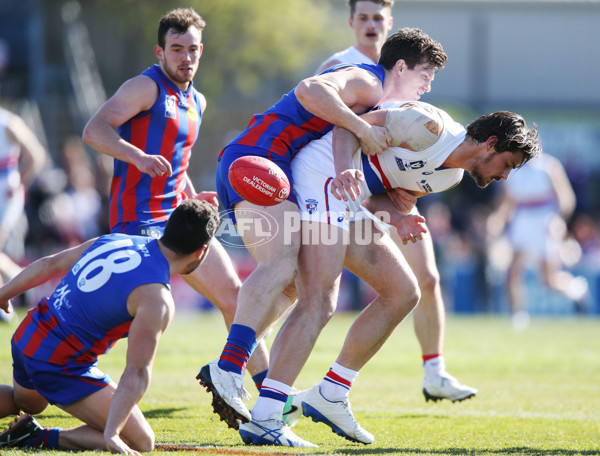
{"x": 259, "y": 181}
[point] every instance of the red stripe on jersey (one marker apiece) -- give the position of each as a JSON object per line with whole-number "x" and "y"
{"x": 375, "y": 160}
{"x": 293, "y": 132}
{"x": 128, "y": 199}
{"x": 100, "y": 346}
{"x": 66, "y": 350}
{"x": 157, "y": 185}
{"x": 36, "y": 339}
{"x": 113, "y": 214}
{"x": 255, "y": 133}
{"x": 26, "y": 321}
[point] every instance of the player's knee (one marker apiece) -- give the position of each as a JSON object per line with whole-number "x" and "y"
{"x": 284, "y": 272}
{"x": 145, "y": 442}
{"x": 428, "y": 282}
{"x": 318, "y": 307}
{"x": 32, "y": 407}
{"x": 402, "y": 301}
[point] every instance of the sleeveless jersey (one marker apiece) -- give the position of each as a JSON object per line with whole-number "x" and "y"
{"x": 286, "y": 126}
{"x": 87, "y": 313}
{"x": 419, "y": 171}
{"x": 349, "y": 55}
{"x": 531, "y": 185}
{"x": 169, "y": 128}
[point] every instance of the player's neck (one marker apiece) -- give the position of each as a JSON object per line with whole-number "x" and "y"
{"x": 463, "y": 156}
{"x": 371, "y": 52}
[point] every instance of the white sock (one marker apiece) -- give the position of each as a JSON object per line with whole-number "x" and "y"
{"x": 336, "y": 384}
{"x": 271, "y": 400}
{"x": 435, "y": 366}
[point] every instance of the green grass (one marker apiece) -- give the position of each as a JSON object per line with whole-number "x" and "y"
{"x": 539, "y": 391}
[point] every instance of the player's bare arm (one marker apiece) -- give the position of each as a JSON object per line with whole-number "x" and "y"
{"x": 134, "y": 96}
{"x": 152, "y": 308}
{"x": 410, "y": 227}
{"x": 40, "y": 271}
{"x": 33, "y": 154}
{"x": 345, "y": 145}
{"x": 408, "y": 126}
{"x": 208, "y": 196}
{"x": 340, "y": 97}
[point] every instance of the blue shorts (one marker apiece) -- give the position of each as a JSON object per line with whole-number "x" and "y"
{"x": 148, "y": 229}
{"x": 227, "y": 195}
{"x": 57, "y": 384}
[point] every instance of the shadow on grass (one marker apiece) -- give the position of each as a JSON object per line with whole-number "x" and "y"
{"x": 162, "y": 412}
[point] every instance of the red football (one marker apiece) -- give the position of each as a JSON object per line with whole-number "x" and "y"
{"x": 259, "y": 180}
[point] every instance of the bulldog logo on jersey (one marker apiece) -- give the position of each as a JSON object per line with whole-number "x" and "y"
{"x": 311, "y": 205}
{"x": 171, "y": 106}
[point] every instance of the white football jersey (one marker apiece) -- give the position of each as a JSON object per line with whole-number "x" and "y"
{"x": 419, "y": 171}
{"x": 348, "y": 55}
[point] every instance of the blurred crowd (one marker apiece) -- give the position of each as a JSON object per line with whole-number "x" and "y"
{"x": 67, "y": 201}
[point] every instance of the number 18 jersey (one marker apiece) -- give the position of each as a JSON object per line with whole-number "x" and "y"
{"x": 87, "y": 313}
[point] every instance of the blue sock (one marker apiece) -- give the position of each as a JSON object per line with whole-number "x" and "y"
{"x": 48, "y": 438}
{"x": 241, "y": 342}
{"x": 258, "y": 378}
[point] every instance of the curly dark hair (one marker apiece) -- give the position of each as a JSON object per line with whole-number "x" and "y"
{"x": 414, "y": 47}
{"x": 191, "y": 225}
{"x": 352, "y": 4}
{"x": 512, "y": 133}
{"x": 180, "y": 20}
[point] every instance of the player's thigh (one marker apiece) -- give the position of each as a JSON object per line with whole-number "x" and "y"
{"x": 320, "y": 261}
{"x": 379, "y": 263}
{"x": 216, "y": 275}
{"x": 420, "y": 257}
{"x": 271, "y": 234}
{"x": 93, "y": 410}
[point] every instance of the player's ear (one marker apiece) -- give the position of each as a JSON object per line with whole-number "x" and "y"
{"x": 491, "y": 142}
{"x": 400, "y": 65}
{"x": 158, "y": 52}
{"x": 201, "y": 252}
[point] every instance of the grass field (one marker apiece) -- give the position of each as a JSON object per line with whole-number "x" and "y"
{"x": 539, "y": 391}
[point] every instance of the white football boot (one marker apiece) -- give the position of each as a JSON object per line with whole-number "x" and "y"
{"x": 292, "y": 410}
{"x": 271, "y": 432}
{"x": 335, "y": 414}
{"x": 442, "y": 385}
{"x": 228, "y": 393}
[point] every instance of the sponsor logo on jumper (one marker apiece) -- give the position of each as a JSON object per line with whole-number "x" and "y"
{"x": 405, "y": 165}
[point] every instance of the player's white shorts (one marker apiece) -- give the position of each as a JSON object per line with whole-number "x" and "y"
{"x": 313, "y": 170}
{"x": 529, "y": 231}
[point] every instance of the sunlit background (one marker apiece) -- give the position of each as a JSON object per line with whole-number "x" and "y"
{"x": 60, "y": 60}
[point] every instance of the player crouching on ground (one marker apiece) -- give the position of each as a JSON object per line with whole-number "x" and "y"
{"x": 113, "y": 287}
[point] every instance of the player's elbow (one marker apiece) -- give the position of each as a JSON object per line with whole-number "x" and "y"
{"x": 305, "y": 90}
{"x": 88, "y": 135}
